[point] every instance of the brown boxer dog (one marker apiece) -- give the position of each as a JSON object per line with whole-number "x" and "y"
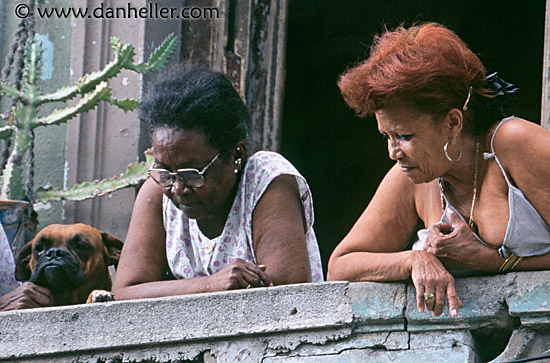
{"x": 71, "y": 260}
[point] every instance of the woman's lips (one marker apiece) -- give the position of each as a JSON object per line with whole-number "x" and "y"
{"x": 187, "y": 207}
{"x": 406, "y": 169}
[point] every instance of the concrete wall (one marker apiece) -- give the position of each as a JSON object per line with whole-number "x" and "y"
{"x": 503, "y": 317}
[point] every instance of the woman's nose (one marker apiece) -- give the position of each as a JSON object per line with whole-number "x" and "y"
{"x": 394, "y": 150}
{"x": 179, "y": 187}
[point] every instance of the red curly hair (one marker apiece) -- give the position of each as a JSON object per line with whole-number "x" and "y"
{"x": 427, "y": 65}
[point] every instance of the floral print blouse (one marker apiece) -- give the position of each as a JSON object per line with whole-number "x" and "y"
{"x": 191, "y": 254}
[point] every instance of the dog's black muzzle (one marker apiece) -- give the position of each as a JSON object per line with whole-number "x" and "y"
{"x": 58, "y": 270}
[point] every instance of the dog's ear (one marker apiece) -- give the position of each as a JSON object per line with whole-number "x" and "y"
{"x": 22, "y": 270}
{"x": 113, "y": 246}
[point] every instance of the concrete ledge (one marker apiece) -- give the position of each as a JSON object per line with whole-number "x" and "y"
{"x": 325, "y": 322}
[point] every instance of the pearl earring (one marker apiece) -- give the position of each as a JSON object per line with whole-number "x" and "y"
{"x": 238, "y": 163}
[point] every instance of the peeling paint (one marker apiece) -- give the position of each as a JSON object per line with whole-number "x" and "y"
{"x": 47, "y": 55}
{"x": 42, "y": 206}
{"x": 66, "y": 174}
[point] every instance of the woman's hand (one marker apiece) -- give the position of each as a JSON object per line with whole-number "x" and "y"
{"x": 26, "y": 296}
{"x": 454, "y": 241}
{"x": 433, "y": 283}
{"x": 240, "y": 274}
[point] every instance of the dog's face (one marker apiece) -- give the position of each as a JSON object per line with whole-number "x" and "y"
{"x": 69, "y": 260}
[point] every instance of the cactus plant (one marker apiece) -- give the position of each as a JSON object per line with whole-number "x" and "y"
{"x": 92, "y": 88}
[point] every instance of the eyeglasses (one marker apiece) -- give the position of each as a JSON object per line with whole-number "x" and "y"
{"x": 190, "y": 177}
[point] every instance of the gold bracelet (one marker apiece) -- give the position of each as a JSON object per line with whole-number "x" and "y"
{"x": 510, "y": 263}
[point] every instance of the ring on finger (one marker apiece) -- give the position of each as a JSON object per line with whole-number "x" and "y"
{"x": 428, "y": 296}
{"x": 429, "y": 249}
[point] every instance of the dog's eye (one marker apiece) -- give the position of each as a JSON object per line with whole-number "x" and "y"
{"x": 82, "y": 248}
{"x": 39, "y": 249}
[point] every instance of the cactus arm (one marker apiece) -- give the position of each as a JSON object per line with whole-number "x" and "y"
{"x": 160, "y": 56}
{"x": 126, "y": 104}
{"x": 124, "y": 55}
{"x": 123, "y": 59}
{"x": 61, "y": 95}
{"x": 12, "y": 186}
{"x": 10, "y": 91}
{"x": 6, "y": 132}
{"x": 84, "y": 85}
{"x": 135, "y": 175}
{"x": 33, "y": 56}
{"x": 12, "y": 175}
{"x": 88, "y": 102}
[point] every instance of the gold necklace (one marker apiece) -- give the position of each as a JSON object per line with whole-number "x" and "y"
{"x": 471, "y": 221}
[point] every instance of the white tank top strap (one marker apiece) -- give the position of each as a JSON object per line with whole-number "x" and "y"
{"x": 491, "y": 155}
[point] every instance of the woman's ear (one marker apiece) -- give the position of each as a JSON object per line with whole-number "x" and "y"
{"x": 239, "y": 151}
{"x": 454, "y": 122}
{"x": 239, "y": 156}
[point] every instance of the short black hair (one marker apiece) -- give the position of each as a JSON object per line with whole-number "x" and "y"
{"x": 195, "y": 98}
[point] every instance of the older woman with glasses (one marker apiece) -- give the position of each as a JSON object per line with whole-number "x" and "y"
{"x": 208, "y": 215}
{"x": 474, "y": 178}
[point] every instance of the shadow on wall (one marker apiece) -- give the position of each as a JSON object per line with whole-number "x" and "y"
{"x": 344, "y": 158}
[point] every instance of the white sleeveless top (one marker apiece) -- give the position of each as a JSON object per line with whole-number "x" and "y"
{"x": 191, "y": 254}
{"x": 527, "y": 234}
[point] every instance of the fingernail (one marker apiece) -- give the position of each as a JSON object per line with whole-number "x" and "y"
{"x": 454, "y": 313}
{"x": 271, "y": 284}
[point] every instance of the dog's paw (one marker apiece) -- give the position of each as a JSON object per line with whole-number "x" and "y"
{"x": 100, "y": 296}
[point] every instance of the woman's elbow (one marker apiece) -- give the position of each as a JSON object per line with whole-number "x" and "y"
{"x": 334, "y": 270}
{"x": 120, "y": 291}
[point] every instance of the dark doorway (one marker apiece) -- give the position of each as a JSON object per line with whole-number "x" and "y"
{"x": 344, "y": 158}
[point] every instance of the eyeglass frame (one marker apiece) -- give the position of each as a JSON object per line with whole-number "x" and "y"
{"x": 175, "y": 174}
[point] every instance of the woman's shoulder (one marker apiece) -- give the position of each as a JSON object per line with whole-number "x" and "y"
{"x": 514, "y": 132}
{"x": 521, "y": 146}
{"x": 270, "y": 162}
{"x": 262, "y": 168}
{"x": 268, "y": 156}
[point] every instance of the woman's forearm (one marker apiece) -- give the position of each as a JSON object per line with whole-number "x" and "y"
{"x": 487, "y": 259}
{"x": 368, "y": 266}
{"x": 163, "y": 288}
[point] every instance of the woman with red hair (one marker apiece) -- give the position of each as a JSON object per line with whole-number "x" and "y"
{"x": 476, "y": 178}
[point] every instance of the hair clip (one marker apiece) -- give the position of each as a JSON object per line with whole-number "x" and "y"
{"x": 465, "y": 107}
